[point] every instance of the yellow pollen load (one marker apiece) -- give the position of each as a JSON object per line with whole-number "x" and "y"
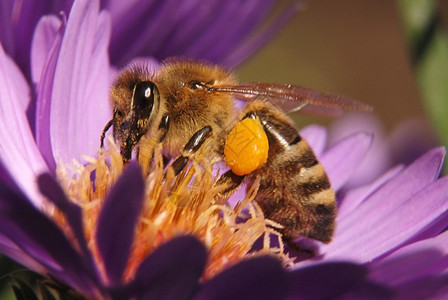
{"x": 247, "y": 147}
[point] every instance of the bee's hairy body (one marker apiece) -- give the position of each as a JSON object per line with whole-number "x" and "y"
{"x": 294, "y": 188}
{"x": 191, "y": 108}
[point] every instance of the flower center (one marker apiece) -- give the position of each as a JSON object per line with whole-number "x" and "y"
{"x": 174, "y": 206}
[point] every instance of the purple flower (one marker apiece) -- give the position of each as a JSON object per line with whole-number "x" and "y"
{"x": 224, "y": 32}
{"x": 393, "y": 225}
{"x": 66, "y": 213}
{"x": 403, "y": 145}
{"x": 18, "y": 22}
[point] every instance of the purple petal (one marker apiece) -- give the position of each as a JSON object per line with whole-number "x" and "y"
{"x": 18, "y": 20}
{"x": 52, "y": 190}
{"x": 255, "y": 278}
{"x": 353, "y": 198}
{"x": 11, "y": 250}
{"x": 79, "y": 105}
{"x": 191, "y": 28}
{"x": 332, "y": 281}
{"x": 143, "y": 35}
{"x": 73, "y": 213}
{"x": 172, "y": 271}
{"x": 43, "y": 67}
{"x": 344, "y": 158}
{"x": 431, "y": 287}
{"x": 411, "y": 180}
{"x": 412, "y": 262}
{"x": 117, "y": 221}
{"x": 411, "y": 139}
{"x": 378, "y": 159}
{"x": 436, "y": 226}
{"x": 14, "y": 84}
{"x": 18, "y": 152}
{"x": 327, "y": 280}
{"x": 41, "y": 239}
{"x": 378, "y": 226}
{"x": 7, "y": 26}
{"x": 254, "y": 42}
{"x": 7, "y": 246}
{"x": 237, "y": 19}
{"x": 47, "y": 30}
{"x": 120, "y": 9}
{"x": 316, "y": 137}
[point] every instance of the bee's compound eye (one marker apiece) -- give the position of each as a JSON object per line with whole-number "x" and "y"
{"x": 247, "y": 146}
{"x": 144, "y": 95}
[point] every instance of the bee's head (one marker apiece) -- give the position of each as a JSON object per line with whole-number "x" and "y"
{"x": 137, "y": 107}
{"x": 133, "y": 120}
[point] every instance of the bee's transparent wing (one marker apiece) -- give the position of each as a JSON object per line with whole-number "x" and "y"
{"x": 292, "y": 98}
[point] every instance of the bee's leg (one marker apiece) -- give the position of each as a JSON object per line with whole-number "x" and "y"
{"x": 231, "y": 180}
{"x": 190, "y": 148}
{"x": 255, "y": 110}
{"x": 163, "y": 128}
{"x": 163, "y": 131}
{"x": 103, "y": 134}
{"x": 146, "y": 149}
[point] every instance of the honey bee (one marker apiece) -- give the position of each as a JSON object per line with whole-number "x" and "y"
{"x": 189, "y": 102}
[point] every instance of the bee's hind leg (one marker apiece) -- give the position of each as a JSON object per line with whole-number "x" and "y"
{"x": 190, "y": 148}
{"x": 232, "y": 181}
{"x": 229, "y": 179}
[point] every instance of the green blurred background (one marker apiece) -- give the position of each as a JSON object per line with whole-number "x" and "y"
{"x": 353, "y": 48}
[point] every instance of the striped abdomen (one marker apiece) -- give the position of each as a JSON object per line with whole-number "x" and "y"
{"x": 294, "y": 188}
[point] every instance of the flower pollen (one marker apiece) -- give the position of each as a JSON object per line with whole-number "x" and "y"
{"x": 174, "y": 205}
